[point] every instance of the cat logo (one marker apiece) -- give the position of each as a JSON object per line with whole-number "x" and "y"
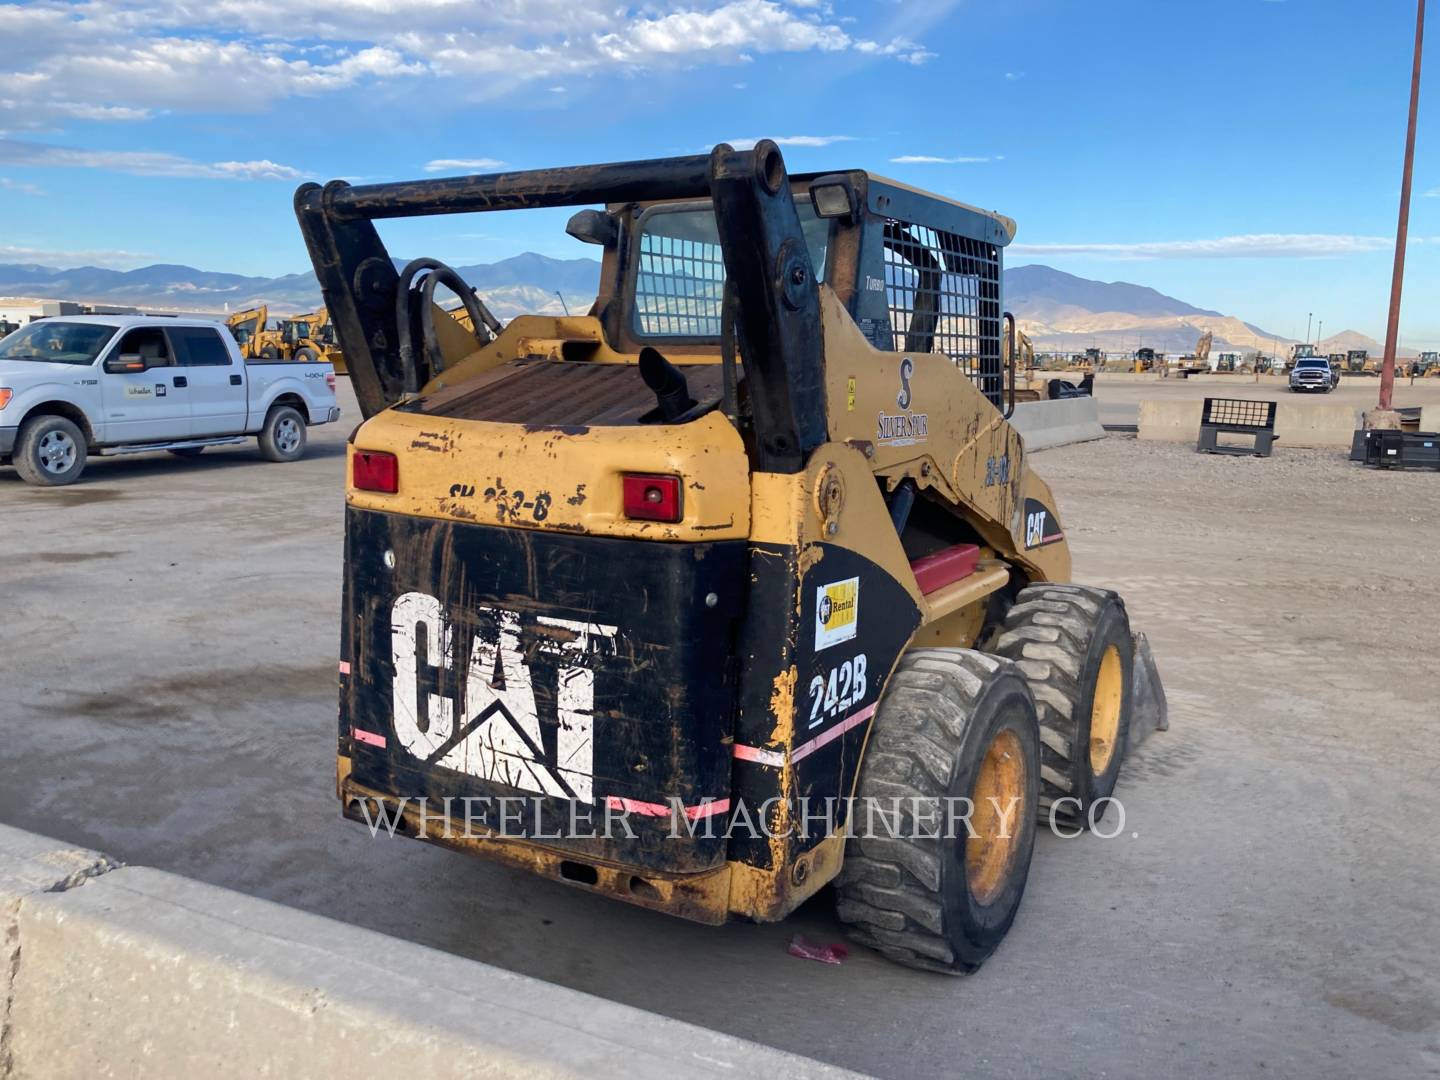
{"x": 497, "y": 730}
{"x": 837, "y": 612}
{"x": 1041, "y": 528}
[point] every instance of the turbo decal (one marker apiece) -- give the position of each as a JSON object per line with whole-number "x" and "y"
{"x": 837, "y": 612}
{"x": 498, "y": 736}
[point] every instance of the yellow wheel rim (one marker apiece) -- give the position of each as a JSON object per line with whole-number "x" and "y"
{"x": 998, "y": 797}
{"x": 1105, "y": 710}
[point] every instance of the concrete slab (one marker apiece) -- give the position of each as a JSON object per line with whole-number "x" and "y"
{"x": 1296, "y": 425}
{"x": 1043, "y": 424}
{"x": 146, "y": 974}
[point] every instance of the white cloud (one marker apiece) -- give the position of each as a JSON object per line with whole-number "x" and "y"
{"x": 47, "y": 257}
{"x": 902, "y": 49}
{"x": 1433, "y": 193}
{"x": 1253, "y": 246}
{"x": 15, "y": 185}
{"x": 463, "y": 165}
{"x": 130, "y": 59}
{"x": 139, "y": 162}
{"x": 926, "y": 159}
{"x": 788, "y": 140}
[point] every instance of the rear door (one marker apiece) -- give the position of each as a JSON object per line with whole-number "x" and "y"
{"x": 145, "y": 406}
{"x": 215, "y": 381}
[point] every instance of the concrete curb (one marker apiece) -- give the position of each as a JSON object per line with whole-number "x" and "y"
{"x": 1312, "y": 426}
{"x": 129, "y": 971}
{"x": 1044, "y": 424}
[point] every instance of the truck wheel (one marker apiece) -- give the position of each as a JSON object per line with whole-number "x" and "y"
{"x": 283, "y": 436}
{"x": 1074, "y": 648}
{"x": 50, "y": 451}
{"x": 952, "y": 725}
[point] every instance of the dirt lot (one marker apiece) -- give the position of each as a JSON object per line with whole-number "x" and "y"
{"x": 1119, "y": 396}
{"x": 169, "y": 645}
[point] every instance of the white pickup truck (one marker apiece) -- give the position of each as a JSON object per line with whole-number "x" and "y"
{"x": 125, "y": 384}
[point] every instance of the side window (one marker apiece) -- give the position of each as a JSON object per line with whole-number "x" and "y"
{"x": 149, "y": 342}
{"x": 197, "y": 346}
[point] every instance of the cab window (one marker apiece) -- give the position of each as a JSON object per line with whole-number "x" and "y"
{"x": 149, "y": 342}
{"x": 197, "y": 346}
{"x": 680, "y": 276}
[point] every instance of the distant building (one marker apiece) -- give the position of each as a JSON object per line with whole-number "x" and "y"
{"x": 24, "y": 309}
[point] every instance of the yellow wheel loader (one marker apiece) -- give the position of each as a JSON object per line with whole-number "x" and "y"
{"x": 739, "y": 584}
{"x": 310, "y": 337}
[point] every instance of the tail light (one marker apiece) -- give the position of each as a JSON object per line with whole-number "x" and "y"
{"x": 330, "y": 380}
{"x": 375, "y": 470}
{"x": 652, "y": 497}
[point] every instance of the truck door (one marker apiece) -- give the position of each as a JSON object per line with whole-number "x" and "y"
{"x": 216, "y": 382}
{"x": 145, "y": 406}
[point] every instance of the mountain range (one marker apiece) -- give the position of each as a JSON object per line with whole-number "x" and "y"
{"x": 1059, "y": 311}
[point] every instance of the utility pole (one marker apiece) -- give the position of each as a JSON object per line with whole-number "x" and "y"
{"x": 1397, "y": 280}
{"x": 1307, "y": 326}
{"x": 1319, "y": 333}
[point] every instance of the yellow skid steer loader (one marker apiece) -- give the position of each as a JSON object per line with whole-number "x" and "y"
{"x": 746, "y": 560}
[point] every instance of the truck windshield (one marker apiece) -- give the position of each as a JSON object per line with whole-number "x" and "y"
{"x": 1321, "y": 365}
{"x": 681, "y": 277}
{"x": 51, "y": 342}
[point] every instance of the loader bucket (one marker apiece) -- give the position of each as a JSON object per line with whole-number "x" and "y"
{"x": 1150, "y": 712}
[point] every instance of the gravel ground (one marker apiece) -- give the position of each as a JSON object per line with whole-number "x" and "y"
{"x": 1269, "y": 909}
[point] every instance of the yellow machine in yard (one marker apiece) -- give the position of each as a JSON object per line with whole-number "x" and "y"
{"x": 250, "y": 330}
{"x": 748, "y": 557}
{"x": 310, "y": 337}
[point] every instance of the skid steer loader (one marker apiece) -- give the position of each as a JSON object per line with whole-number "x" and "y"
{"x": 741, "y": 555}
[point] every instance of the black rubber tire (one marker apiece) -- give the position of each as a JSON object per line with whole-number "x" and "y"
{"x": 909, "y": 897}
{"x": 275, "y": 436}
{"x": 188, "y": 451}
{"x": 28, "y": 456}
{"x": 1058, "y": 635}
{"x": 269, "y": 352}
{"x": 306, "y": 355}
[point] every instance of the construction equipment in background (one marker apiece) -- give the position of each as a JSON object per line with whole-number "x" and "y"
{"x": 1300, "y": 351}
{"x": 1228, "y": 363}
{"x": 250, "y": 329}
{"x": 1427, "y": 365}
{"x": 1145, "y": 360}
{"x": 8, "y": 327}
{"x": 311, "y": 336}
{"x": 1025, "y": 358}
{"x": 1198, "y": 362}
{"x": 1264, "y": 364}
{"x": 1358, "y": 362}
{"x": 747, "y": 533}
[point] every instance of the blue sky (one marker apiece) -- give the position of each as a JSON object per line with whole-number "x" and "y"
{"x": 1243, "y": 155}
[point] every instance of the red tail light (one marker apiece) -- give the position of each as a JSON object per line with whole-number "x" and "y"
{"x": 375, "y": 470}
{"x": 330, "y": 380}
{"x": 650, "y": 497}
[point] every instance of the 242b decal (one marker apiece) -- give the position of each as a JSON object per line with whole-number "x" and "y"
{"x": 833, "y": 693}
